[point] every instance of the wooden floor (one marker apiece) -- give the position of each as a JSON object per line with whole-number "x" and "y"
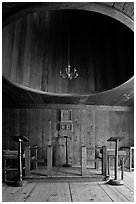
{"x": 70, "y": 191}
{"x": 64, "y": 172}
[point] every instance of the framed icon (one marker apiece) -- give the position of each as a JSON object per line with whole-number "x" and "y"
{"x": 66, "y": 115}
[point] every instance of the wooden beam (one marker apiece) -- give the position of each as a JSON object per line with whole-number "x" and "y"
{"x": 77, "y": 107}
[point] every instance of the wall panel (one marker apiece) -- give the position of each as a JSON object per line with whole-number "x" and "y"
{"x": 102, "y": 127}
{"x": 91, "y": 127}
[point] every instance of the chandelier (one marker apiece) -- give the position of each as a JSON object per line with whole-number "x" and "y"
{"x": 70, "y": 73}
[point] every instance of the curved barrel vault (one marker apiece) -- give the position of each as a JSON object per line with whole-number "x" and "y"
{"x": 39, "y": 49}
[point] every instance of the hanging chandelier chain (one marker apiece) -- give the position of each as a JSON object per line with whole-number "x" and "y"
{"x": 69, "y": 73}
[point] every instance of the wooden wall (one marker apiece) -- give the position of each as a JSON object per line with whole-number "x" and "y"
{"x": 35, "y": 50}
{"x": 91, "y": 126}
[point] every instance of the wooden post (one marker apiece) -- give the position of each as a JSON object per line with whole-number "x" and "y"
{"x": 5, "y": 172}
{"x": 36, "y": 156}
{"x": 20, "y": 159}
{"x": 96, "y": 162}
{"x": 27, "y": 160}
{"x": 50, "y": 132}
{"x": 122, "y": 168}
{"x": 108, "y": 165}
{"x": 116, "y": 160}
{"x": 83, "y": 161}
{"x": 130, "y": 159}
{"x": 49, "y": 160}
{"x": 104, "y": 161}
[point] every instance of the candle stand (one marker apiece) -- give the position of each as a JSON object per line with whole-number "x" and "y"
{"x": 20, "y": 139}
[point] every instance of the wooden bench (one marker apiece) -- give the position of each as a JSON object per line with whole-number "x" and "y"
{"x": 34, "y": 159}
{"x": 10, "y": 158}
{"x": 102, "y": 159}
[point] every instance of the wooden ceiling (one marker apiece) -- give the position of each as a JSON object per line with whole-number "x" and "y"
{"x": 14, "y": 96}
{"x": 17, "y": 94}
{"x": 11, "y": 8}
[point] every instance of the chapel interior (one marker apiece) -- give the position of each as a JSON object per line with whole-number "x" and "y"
{"x": 67, "y": 91}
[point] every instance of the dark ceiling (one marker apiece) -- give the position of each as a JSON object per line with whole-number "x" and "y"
{"x": 16, "y": 96}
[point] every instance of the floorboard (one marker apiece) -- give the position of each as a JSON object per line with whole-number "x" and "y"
{"x": 9, "y": 193}
{"x": 129, "y": 180}
{"x": 118, "y": 193}
{"x": 40, "y": 193}
{"x": 67, "y": 189}
{"x": 128, "y": 176}
{"x": 25, "y": 193}
{"x": 60, "y": 193}
{"x": 126, "y": 193}
{"x": 79, "y": 192}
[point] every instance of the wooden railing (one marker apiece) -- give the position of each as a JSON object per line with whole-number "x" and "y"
{"x": 129, "y": 158}
{"x": 103, "y": 159}
{"x": 34, "y": 159}
{"x": 121, "y": 156}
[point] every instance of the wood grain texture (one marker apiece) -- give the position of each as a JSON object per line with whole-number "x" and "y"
{"x": 106, "y": 8}
{"x": 35, "y": 50}
{"x": 128, "y": 8}
{"x": 91, "y": 127}
{"x": 119, "y": 5}
{"x": 68, "y": 191}
{"x": 102, "y": 127}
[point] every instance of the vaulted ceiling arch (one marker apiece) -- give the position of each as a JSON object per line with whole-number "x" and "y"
{"x": 112, "y": 10}
{"x": 122, "y": 12}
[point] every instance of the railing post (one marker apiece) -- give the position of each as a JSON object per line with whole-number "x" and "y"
{"x": 83, "y": 160}
{"x": 20, "y": 159}
{"x": 108, "y": 165}
{"x": 49, "y": 160}
{"x": 122, "y": 168}
{"x": 27, "y": 160}
{"x": 130, "y": 159}
{"x": 36, "y": 156}
{"x": 104, "y": 161}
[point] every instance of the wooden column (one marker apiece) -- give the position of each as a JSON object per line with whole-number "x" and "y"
{"x": 27, "y": 160}
{"x": 83, "y": 161}
{"x": 49, "y": 160}
{"x": 104, "y": 161}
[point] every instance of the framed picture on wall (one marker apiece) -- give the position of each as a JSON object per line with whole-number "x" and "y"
{"x": 63, "y": 127}
{"x": 66, "y": 127}
{"x": 66, "y": 115}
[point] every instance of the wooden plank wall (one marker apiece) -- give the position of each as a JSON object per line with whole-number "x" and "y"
{"x": 35, "y": 50}
{"x": 91, "y": 127}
